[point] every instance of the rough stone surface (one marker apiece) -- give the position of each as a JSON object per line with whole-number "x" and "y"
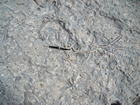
{"x": 102, "y": 66}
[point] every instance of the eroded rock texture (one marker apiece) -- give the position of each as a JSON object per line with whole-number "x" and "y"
{"x": 101, "y": 68}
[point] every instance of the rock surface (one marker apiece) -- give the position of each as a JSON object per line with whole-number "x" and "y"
{"x": 102, "y": 66}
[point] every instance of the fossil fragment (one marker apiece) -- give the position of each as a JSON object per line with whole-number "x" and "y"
{"x": 39, "y": 3}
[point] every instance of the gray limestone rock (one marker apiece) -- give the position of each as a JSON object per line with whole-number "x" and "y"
{"x": 94, "y": 57}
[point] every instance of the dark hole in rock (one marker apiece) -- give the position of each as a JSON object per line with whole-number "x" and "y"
{"x": 116, "y": 103}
